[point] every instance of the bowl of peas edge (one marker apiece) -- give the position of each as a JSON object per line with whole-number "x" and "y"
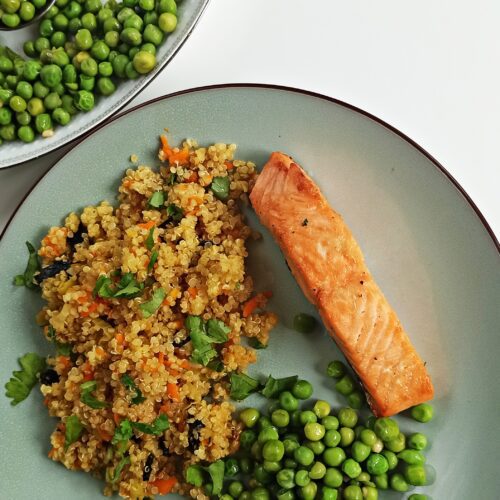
{"x": 17, "y": 152}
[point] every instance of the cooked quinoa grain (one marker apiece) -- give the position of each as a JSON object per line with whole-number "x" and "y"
{"x": 137, "y": 283}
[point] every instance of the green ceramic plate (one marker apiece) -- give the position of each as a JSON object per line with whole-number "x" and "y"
{"x": 424, "y": 241}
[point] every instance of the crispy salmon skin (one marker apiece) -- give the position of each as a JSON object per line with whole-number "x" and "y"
{"x": 329, "y": 267}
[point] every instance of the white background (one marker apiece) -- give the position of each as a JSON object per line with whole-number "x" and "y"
{"x": 430, "y": 68}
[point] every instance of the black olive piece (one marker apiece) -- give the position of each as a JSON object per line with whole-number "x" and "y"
{"x": 166, "y": 223}
{"x": 194, "y": 435}
{"x": 146, "y": 472}
{"x": 77, "y": 236}
{"x": 49, "y": 377}
{"x": 110, "y": 321}
{"x": 52, "y": 270}
{"x": 135, "y": 439}
{"x": 164, "y": 448}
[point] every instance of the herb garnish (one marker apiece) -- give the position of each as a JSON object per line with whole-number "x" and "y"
{"x": 153, "y": 259}
{"x": 125, "y": 430}
{"x": 33, "y": 266}
{"x": 73, "y": 431}
{"x": 20, "y": 384}
{"x": 118, "y": 469}
{"x": 130, "y": 385}
{"x": 157, "y": 199}
{"x": 150, "y": 307}
{"x": 86, "y": 397}
{"x": 275, "y": 386}
{"x": 174, "y": 212}
{"x": 128, "y": 287}
{"x": 220, "y": 188}
{"x": 172, "y": 178}
{"x": 150, "y": 241}
{"x": 216, "y": 471}
{"x": 194, "y": 475}
{"x": 242, "y": 386}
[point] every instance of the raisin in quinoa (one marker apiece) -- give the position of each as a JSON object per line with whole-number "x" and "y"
{"x": 200, "y": 267}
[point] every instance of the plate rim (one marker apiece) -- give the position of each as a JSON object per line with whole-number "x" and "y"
{"x": 120, "y": 105}
{"x": 263, "y": 86}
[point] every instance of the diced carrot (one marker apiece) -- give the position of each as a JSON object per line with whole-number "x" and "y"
{"x": 193, "y": 177}
{"x": 90, "y": 309}
{"x": 255, "y": 302}
{"x": 173, "y": 391}
{"x": 46, "y": 401}
{"x": 193, "y": 292}
{"x": 83, "y": 299}
{"x": 127, "y": 183}
{"x": 116, "y": 418}
{"x": 229, "y": 165}
{"x": 100, "y": 352}
{"x": 164, "y": 408}
{"x": 185, "y": 364}
{"x": 120, "y": 338}
{"x": 161, "y": 358}
{"x": 165, "y": 485}
{"x": 105, "y": 436}
{"x": 88, "y": 373}
{"x": 147, "y": 225}
{"x": 65, "y": 361}
{"x": 173, "y": 372}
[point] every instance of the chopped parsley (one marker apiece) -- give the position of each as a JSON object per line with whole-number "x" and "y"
{"x": 33, "y": 266}
{"x": 73, "y": 431}
{"x": 153, "y": 259}
{"x": 194, "y": 475}
{"x": 275, "y": 386}
{"x": 128, "y": 287}
{"x": 123, "y": 432}
{"x": 216, "y": 471}
{"x": 137, "y": 396}
{"x": 217, "y": 330}
{"x": 151, "y": 306}
{"x": 150, "y": 241}
{"x": 22, "y": 381}
{"x": 203, "y": 336}
{"x": 220, "y": 188}
{"x": 118, "y": 469}
{"x": 174, "y": 212}
{"x": 157, "y": 199}
{"x": 242, "y": 386}
{"x": 86, "y": 397}
{"x": 159, "y": 425}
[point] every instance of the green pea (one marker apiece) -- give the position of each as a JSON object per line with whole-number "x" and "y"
{"x": 60, "y": 22}
{"x": 134, "y": 21}
{"x": 256, "y": 450}
{"x": 307, "y": 417}
{"x": 290, "y": 463}
{"x": 303, "y": 323}
{"x": 112, "y": 55}
{"x": 370, "y": 493}
{"x": 303, "y": 456}
{"x": 130, "y": 3}
{"x": 330, "y": 422}
{"x": 46, "y": 28}
{"x": 267, "y": 434}
{"x": 302, "y": 389}
{"x": 150, "y": 17}
{"x": 377, "y": 464}
{"x": 346, "y": 436}
{"x": 356, "y": 399}
{"x": 72, "y": 10}
{"x": 280, "y": 418}
{"x": 245, "y": 495}
{"x": 360, "y": 451}
{"x": 105, "y": 86}
{"x": 23, "y": 118}
{"x": 317, "y": 471}
{"x": 364, "y": 477}
{"x": 39, "y": 3}
{"x": 41, "y": 44}
{"x": 74, "y": 25}
{"x": 317, "y": 447}
{"x": 386, "y": 429}
{"x": 131, "y": 36}
{"x": 89, "y": 21}
{"x": 61, "y": 116}
{"x": 112, "y": 39}
{"x": 308, "y": 492}
{"x": 69, "y": 74}
{"x": 87, "y": 82}
{"x": 51, "y": 75}
{"x": 31, "y": 70}
{"x": 147, "y": 4}
{"x": 351, "y": 468}
{"x": 260, "y": 493}
{"x": 334, "y": 456}
{"x": 332, "y": 438}
{"x": 89, "y": 67}
{"x": 5, "y": 116}
{"x": 378, "y": 446}
{"x": 84, "y": 100}
{"x": 132, "y": 52}
{"x": 93, "y": 5}
{"x": 71, "y": 49}
{"x": 25, "y": 90}
{"x": 314, "y": 431}
{"x": 396, "y": 445}
{"x": 60, "y": 57}
{"x": 302, "y": 478}
{"x": 290, "y": 446}
{"x": 149, "y": 47}
{"x": 412, "y": 457}
{"x": 103, "y": 14}
{"x": 6, "y": 65}
{"x": 247, "y": 439}
{"x": 26, "y": 134}
{"x": 11, "y": 20}
{"x": 79, "y": 58}
{"x": 264, "y": 422}
{"x": 417, "y": 441}
{"x": 83, "y": 39}
{"x": 333, "y": 478}
{"x": 40, "y": 90}
{"x": 225, "y": 496}
{"x": 231, "y": 467}
{"x": 167, "y": 22}
{"x": 27, "y": 11}
{"x": 249, "y": 417}
{"x": 17, "y": 103}
{"x": 10, "y": 6}
{"x": 288, "y": 401}
{"x": 46, "y": 56}
{"x": 29, "y": 48}
{"x": 368, "y": 437}
{"x": 52, "y": 101}
{"x": 124, "y": 13}
{"x": 246, "y": 465}
{"x": 272, "y": 466}
{"x": 398, "y": 482}
{"x": 52, "y": 12}
{"x": 130, "y": 71}
{"x": 418, "y": 496}
{"x": 111, "y": 24}
{"x": 422, "y": 413}
{"x": 167, "y": 6}
{"x": 391, "y": 458}
{"x": 58, "y": 39}
{"x": 235, "y": 489}
{"x": 328, "y": 493}
{"x": 8, "y": 132}
{"x": 321, "y": 408}
{"x": 273, "y": 450}
{"x": 262, "y": 475}
{"x": 285, "y": 478}
{"x": 67, "y": 104}
{"x": 345, "y": 385}
{"x": 381, "y": 481}
{"x": 153, "y": 34}
{"x": 353, "y": 493}
{"x": 11, "y": 81}
{"x": 123, "y": 48}
{"x": 348, "y": 417}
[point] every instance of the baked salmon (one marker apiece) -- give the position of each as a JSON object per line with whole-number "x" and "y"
{"x": 328, "y": 264}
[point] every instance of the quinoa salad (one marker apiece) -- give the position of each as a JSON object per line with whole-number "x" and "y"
{"x": 151, "y": 311}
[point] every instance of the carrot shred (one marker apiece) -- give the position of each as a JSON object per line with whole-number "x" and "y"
{"x": 229, "y": 165}
{"x": 147, "y": 225}
{"x": 193, "y": 292}
{"x": 180, "y": 157}
{"x": 185, "y": 364}
{"x": 193, "y": 177}
{"x": 164, "y": 408}
{"x": 173, "y": 391}
{"x": 116, "y": 418}
{"x": 255, "y": 302}
{"x": 105, "y": 436}
{"x": 161, "y": 358}
{"x": 65, "y": 361}
{"x": 119, "y": 337}
{"x": 165, "y": 485}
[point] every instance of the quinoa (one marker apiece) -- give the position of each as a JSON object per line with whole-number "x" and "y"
{"x": 199, "y": 242}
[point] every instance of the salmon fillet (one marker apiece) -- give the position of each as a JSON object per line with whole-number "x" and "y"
{"x": 329, "y": 266}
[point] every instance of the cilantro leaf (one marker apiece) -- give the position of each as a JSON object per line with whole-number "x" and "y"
{"x": 149, "y": 308}
{"x": 220, "y": 188}
{"x": 203, "y": 351}
{"x": 150, "y": 241}
{"x": 119, "y": 467}
{"x": 242, "y": 386}
{"x": 86, "y": 398}
{"x": 194, "y": 475}
{"x": 174, "y": 212}
{"x": 216, "y": 471}
{"x": 74, "y": 429}
{"x": 217, "y": 330}
{"x": 274, "y": 386}
{"x": 123, "y": 432}
{"x": 20, "y": 384}
{"x": 32, "y": 268}
{"x": 130, "y": 385}
{"x": 103, "y": 287}
{"x": 128, "y": 287}
{"x": 159, "y": 425}
{"x": 157, "y": 199}
{"x": 153, "y": 259}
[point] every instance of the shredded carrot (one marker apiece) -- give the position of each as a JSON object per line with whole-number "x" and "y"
{"x": 173, "y": 372}
{"x": 180, "y": 157}
{"x": 105, "y": 436}
{"x": 193, "y": 292}
{"x": 185, "y": 364}
{"x": 90, "y": 309}
{"x": 229, "y": 165}
{"x": 119, "y": 337}
{"x": 116, "y": 418}
{"x": 164, "y": 143}
{"x": 100, "y": 352}
{"x": 161, "y": 358}
{"x": 173, "y": 391}
{"x": 255, "y": 302}
{"x": 147, "y": 225}
{"x": 164, "y": 408}
{"x": 193, "y": 177}
{"x": 165, "y": 485}
{"x": 65, "y": 360}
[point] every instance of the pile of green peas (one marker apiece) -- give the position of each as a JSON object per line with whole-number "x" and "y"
{"x": 85, "y": 47}
{"x": 346, "y": 385}
{"x": 311, "y": 452}
{"x": 15, "y": 12}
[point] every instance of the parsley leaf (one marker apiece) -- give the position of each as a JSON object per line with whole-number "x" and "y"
{"x": 194, "y": 475}
{"x": 242, "y": 386}
{"x": 216, "y": 471}
{"x": 74, "y": 429}
{"x": 159, "y": 425}
{"x": 217, "y": 330}
{"x": 149, "y": 308}
{"x": 20, "y": 384}
{"x": 152, "y": 260}
{"x": 150, "y": 241}
{"x": 130, "y": 385}
{"x": 220, "y": 188}
{"x": 157, "y": 199}
{"x": 103, "y": 287}
{"x": 275, "y": 386}
{"x": 128, "y": 287}
{"x": 203, "y": 351}
{"x": 175, "y": 213}
{"x": 86, "y": 398}
{"x": 123, "y": 432}
{"x": 118, "y": 469}
{"x": 32, "y": 268}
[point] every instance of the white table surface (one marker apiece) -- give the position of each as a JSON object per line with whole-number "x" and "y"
{"x": 431, "y": 69}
